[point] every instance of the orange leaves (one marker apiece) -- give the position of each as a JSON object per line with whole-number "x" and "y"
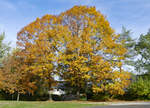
{"x": 15, "y": 78}
{"x": 1, "y": 79}
{"x": 97, "y": 89}
{"x": 120, "y": 81}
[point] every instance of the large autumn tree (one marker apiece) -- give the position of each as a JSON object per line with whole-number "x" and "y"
{"x": 39, "y": 43}
{"x": 92, "y": 53}
{"x": 78, "y": 45}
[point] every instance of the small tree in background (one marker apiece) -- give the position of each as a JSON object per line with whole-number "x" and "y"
{"x": 140, "y": 89}
{"x": 129, "y": 43}
{"x": 4, "y": 50}
{"x": 15, "y": 80}
{"x": 143, "y": 50}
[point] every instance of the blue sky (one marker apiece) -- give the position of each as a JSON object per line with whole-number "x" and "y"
{"x": 133, "y": 14}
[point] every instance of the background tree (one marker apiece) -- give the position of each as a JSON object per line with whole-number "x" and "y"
{"x": 4, "y": 50}
{"x": 143, "y": 51}
{"x": 139, "y": 88}
{"x": 15, "y": 80}
{"x": 129, "y": 43}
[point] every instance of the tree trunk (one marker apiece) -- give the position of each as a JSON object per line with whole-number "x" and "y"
{"x": 18, "y": 96}
{"x": 12, "y": 96}
{"x": 50, "y": 96}
{"x": 78, "y": 94}
{"x": 120, "y": 69}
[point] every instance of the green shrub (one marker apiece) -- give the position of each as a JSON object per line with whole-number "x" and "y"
{"x": 140, "y": 89}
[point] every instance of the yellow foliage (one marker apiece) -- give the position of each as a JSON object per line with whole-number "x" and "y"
{"x": 82, "y": 42}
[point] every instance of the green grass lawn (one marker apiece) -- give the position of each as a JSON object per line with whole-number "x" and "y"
{"x": 14, "y": 104}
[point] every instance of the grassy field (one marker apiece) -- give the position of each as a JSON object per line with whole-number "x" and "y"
{"x": 14, "y": 104}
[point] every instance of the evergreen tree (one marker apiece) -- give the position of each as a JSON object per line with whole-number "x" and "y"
{"x": 129, "y": 43}
{"x": 143, "y": 51}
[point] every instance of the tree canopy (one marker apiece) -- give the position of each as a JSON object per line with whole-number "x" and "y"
{"x": 79, "y": 46}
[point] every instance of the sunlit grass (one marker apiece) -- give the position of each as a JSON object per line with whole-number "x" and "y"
{"x": 14, "y": 104}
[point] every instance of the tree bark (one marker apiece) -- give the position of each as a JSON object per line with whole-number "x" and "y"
{"x": 50, "y": 96}
{"x": 18, "y": 96}
{"x": 12, "y": 96}
{"x": 78, "y": 94}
